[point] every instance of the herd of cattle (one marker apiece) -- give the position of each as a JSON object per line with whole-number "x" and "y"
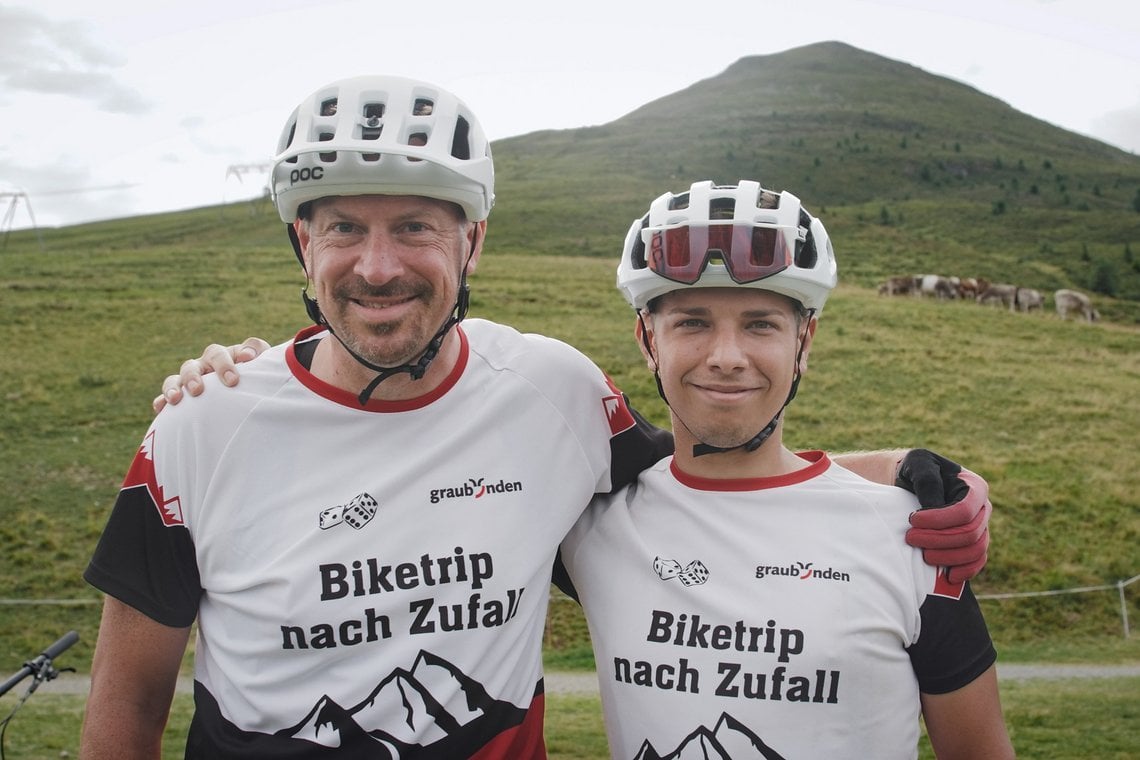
{"x": 985, "y": 292}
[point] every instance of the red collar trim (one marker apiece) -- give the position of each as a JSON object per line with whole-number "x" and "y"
{"x": 818, "y": 462}
{"x": 349, "y": 399}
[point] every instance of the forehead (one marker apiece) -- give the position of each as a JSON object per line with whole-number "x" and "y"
{"x": 385, "y": 205}
{"x": 735, "y": 299}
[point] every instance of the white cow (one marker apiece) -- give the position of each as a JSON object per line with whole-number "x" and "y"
{"x": 935, "y": 285}
{"x": 1028, "y": 299}
{"x": 1068, "y": 301}
{"x": 1003, "y": 294}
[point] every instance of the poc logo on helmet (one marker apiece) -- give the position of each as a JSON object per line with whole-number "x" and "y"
{"x": 302, "y": 175}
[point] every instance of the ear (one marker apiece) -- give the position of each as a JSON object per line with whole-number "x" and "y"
{"x": 809, "y": 336}
{"x": 643, "y": 333}
{"x": 476, "y": 234}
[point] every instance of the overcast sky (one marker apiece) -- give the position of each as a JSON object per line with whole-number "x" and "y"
{"x": 113, "y": 108}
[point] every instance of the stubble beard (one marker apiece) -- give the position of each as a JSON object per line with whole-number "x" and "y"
{"x": 386, "y": 344}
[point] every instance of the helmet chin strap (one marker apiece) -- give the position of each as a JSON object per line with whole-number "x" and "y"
{"x": 752, "y": 444}
{"x": 417, "y": 369}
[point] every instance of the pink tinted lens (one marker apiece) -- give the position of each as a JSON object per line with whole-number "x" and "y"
{"x": 758, "y": 252}
{"x": 671, "y": 253}
{"x": 749, "y": 253}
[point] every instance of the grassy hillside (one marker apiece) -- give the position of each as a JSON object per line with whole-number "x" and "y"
{"x": 1043, "y": 409}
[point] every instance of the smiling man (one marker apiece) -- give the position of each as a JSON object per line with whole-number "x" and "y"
{"x": 364, "y": 531}
{"x": 745, "y": 600}
{"x": 386, "y": 271}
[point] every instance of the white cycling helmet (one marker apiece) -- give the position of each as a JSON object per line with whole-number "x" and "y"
{"x": 383, "y": 135}
{"x": 727, "y": 236}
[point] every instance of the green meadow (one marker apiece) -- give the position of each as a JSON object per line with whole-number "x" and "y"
{"x": 1045, "y": 410}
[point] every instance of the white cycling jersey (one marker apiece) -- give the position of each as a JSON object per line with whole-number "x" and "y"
{"x": 367, "y": 581}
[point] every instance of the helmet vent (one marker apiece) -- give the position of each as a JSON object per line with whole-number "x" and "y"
{"x": 328, "y": 107}
{"x": 417, "y": 139}
{"x": 722, "y": 208}
{"x": 461, "y": 141}
{"x": 422, "y": 107}
{"x": 637, "y": 254}
{"x": 373, "y": 126}
{"x": 806, "y": 253}
{"x": 331, "y": 155}
{"x": 289, "y": 141}
{"x": 679, "y": 201}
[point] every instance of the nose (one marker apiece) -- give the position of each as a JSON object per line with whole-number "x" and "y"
{"x": 726, "y": 350}
{"x": 379, "y": 261}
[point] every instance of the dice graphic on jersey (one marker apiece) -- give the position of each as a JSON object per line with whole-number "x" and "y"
{"x": 666, "y": 569}
{"x": 331, "y": 517}
{"x": 357, "y": 513}
{"x": 360, "y": 511}
{"x": 694, "y": 574}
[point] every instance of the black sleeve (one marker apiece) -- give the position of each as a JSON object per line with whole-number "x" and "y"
{"x": 954, "y": 646}
{"x": 146, "y": 564}
{"x": 636, "y": 449}
{"x": 631, "y": 451}
{"x": 561, "y": 578}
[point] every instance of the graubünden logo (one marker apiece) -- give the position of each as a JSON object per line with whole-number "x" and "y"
{"x": 804, "y": 571}
{"x": 474, "y": 488}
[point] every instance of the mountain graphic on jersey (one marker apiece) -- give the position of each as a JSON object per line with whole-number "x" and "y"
{"x": 730, "y": 740}
{"x": 401, "y": 718}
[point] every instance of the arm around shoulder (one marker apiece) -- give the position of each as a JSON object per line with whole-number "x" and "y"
{"x": 876, "y": 466}
{"x": 215, "y": 358}
{"x": 133, "y": 676}
{"x": 967, "y": 724}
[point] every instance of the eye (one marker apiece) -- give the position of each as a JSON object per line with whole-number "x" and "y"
{"x": 342, "y": 228}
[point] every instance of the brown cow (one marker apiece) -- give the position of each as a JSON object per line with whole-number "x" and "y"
{"x": 897, "y": 286}
{"x": 968, "y": 288}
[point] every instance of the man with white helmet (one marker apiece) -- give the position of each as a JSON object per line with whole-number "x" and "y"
{"x": 743, "y": 600}
{"x": 364, "y": 529}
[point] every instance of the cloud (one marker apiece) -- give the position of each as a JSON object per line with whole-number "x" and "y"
{"x": 46, "y": 57}
{"x": 1120, "y": 128}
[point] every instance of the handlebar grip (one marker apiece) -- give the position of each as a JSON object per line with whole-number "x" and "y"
{"x": 64, "y": 642}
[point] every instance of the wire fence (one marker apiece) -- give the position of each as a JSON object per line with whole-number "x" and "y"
{"x": 1119, "y": 586}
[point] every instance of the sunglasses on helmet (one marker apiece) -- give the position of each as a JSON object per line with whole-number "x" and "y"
{"x": 750, "y": 252}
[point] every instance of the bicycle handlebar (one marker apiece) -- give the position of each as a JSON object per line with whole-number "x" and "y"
{"x": 38, "y": 665}
{"x": 65, "y": 642}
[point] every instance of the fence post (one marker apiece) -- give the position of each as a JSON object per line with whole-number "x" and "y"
{"x": 1123, "y": 608}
